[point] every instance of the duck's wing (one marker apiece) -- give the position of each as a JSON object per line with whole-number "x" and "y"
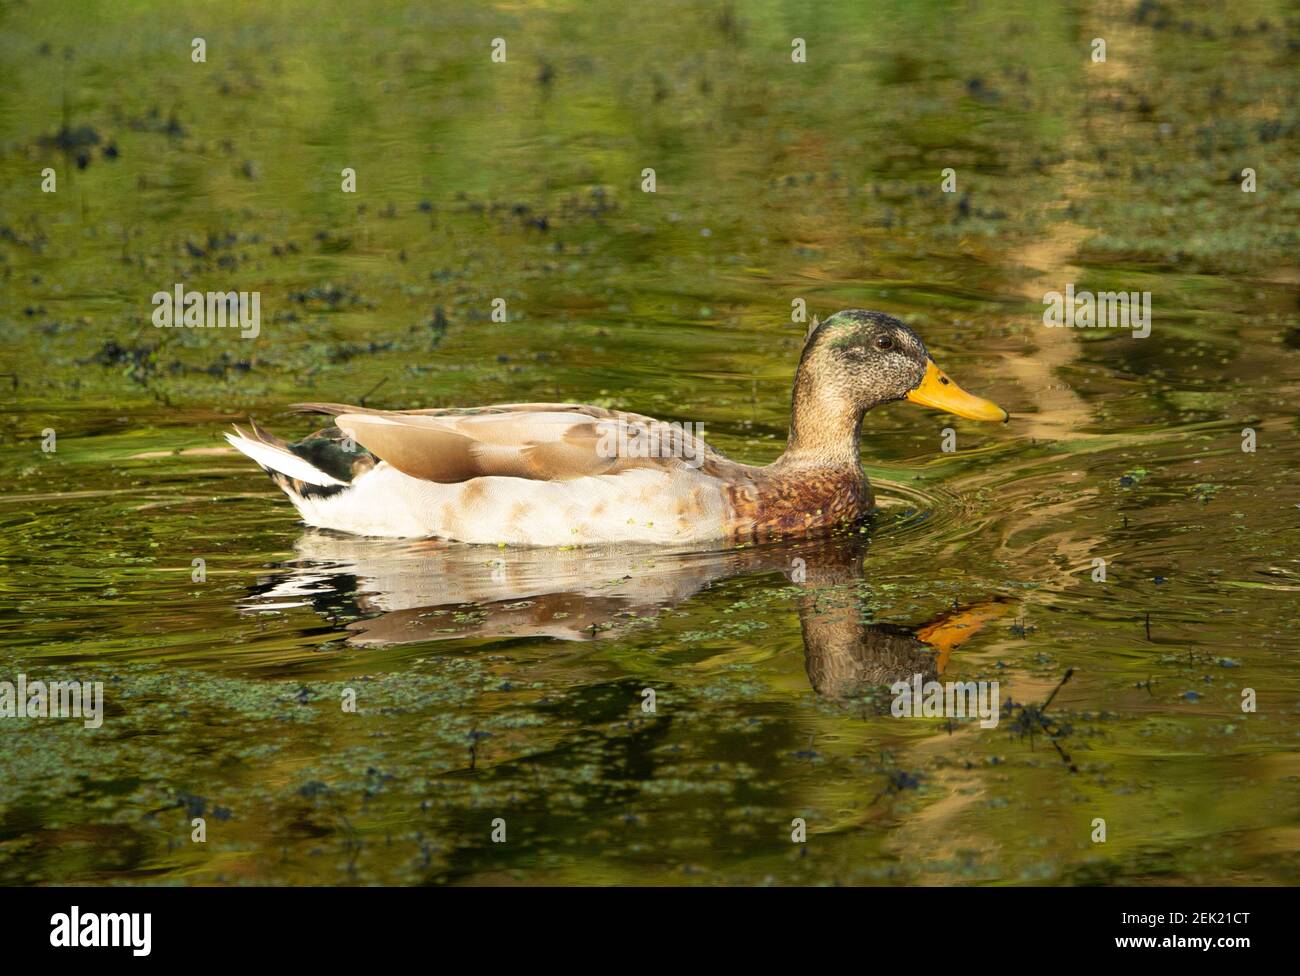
{"x": 336, "y": 409}
{"x": 495, "y": 409}
{"x": 536, "y": 441}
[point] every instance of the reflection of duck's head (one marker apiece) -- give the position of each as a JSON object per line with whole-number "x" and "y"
{"x": 431, "y": 590}
{"x": 846, "y": 657}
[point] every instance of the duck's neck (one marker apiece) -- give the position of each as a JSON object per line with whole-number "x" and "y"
{"x": 824, "y": 425}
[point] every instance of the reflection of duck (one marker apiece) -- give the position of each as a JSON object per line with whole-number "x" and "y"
{"x": 569, "y": 474}
{"x": 427, "y": 591}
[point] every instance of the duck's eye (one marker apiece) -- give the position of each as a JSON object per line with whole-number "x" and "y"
{"x": 884, "y": 343}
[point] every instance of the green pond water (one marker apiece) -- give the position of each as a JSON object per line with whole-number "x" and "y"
{"x": 506, "y": 683}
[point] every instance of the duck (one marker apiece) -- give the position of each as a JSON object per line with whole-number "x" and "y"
{"x": 570, "y": 474}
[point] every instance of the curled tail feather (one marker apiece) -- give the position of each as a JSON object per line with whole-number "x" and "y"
{"x": 274, "y": 457}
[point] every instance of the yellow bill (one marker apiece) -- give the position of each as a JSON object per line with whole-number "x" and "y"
{"x": 937, "y": 391}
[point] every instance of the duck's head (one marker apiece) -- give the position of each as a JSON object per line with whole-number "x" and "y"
{"x": 869, "y": 358}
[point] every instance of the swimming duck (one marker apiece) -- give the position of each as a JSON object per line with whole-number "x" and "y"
{"x": 552, "y": 474}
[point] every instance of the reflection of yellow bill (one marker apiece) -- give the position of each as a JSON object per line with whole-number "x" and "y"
{"x": 937, "y": 391}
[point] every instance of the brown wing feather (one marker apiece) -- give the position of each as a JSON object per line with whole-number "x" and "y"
{"x": 542, "y": 447}
{"x": 538, "y": 441}
{"x": 335, "y": 409}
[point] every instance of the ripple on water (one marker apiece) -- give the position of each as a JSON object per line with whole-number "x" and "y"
{"x": 911, "y": 511}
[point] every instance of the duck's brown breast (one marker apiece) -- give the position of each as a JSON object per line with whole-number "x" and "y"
{"x": 796, "y": 501}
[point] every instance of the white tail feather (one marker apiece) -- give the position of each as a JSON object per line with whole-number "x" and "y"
{"x": 285, "y": 462}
